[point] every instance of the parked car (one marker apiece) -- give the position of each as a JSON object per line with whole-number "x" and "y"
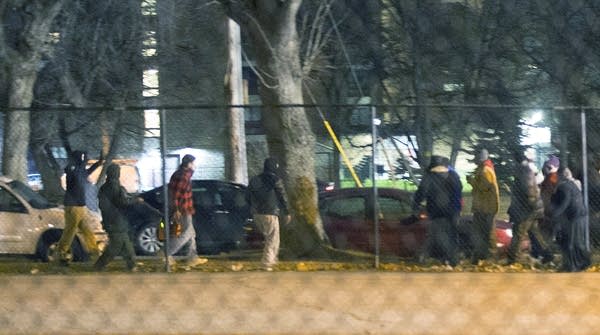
{"x": 323, "y": 186}
{"x": 31, "y": 225}
{"x": 348, "y": 222}
{"x": 221, "y": 221}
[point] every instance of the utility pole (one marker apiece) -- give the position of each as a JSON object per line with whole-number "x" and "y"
{"x": 238, "y": 163}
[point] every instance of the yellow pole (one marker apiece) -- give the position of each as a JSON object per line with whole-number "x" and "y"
{"x": 341, "y": 150}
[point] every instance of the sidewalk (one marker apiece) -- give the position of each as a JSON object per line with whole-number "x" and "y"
{"x": 301, "y": 303}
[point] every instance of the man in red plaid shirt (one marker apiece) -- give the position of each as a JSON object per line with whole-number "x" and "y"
{"x": 182, "y": 207}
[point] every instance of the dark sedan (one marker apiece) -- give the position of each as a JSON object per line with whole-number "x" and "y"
{"x": 348, "y": 221}
{"x": 222, "y": 215}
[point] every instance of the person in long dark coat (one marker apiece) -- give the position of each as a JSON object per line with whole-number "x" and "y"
{"x": 568, "y": 214}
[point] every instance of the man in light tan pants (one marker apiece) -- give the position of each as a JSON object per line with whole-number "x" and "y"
{"x": 269, "y": 227}
{"x": 267, "y": 201}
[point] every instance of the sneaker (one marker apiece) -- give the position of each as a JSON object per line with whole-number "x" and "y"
{"x": 134, "y": 269}
{"x": 196, "y": 261}
{"x": 171, "y": 260}
{"x": 94, "y": 256}
{"x": 548, "y": 259}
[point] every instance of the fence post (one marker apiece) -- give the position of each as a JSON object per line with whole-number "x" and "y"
{"x": 585, "y": 177}
{"x": 163, "y": 154}
{"x": 375, "y": 122}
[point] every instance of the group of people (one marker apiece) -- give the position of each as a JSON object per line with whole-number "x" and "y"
{"x": 266, "y": 195}
{"x": 557, "y": 202}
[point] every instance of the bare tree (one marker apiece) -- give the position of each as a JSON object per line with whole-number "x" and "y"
{"x": 272, "y": 27}
{"x": 24, "y": 38}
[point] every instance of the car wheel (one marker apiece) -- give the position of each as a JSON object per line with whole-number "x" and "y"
{"x": 48, "y": 247}
{"x": 146, "y": 240}
{"x": 77, "y": 251}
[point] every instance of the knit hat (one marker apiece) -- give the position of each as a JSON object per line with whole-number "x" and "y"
{"x": 483, "y": 156}
{"x": 552, "y": 164}
{"x": 438, "y": 161}
{"x": 187, "y": 159}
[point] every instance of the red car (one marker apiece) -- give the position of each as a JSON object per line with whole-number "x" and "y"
{"x": 348, "y": 222}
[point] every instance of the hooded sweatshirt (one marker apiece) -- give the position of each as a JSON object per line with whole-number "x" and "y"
{"x": 113, "y": 200}
{"x": 77, "y": 179}
{"x": 267, "y": 195}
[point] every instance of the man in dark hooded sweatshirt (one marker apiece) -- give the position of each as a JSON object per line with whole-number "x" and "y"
{"x": 440, "y": 189}
{"x": 267, "y": 202}
{"x": 113, "y": 200}
{"x": 75, "y": 206}
{"x": 568, "y": 212}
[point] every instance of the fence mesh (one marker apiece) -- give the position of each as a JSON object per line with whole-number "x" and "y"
{"x": 392, "y": 151}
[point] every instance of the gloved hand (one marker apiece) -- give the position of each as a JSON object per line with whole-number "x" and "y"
{"x": 285, "y": 219}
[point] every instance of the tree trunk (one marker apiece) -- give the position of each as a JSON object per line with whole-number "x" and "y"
{"x": 23, "y": 59}
{"x": 44, "y": 161}
{"x": 16, "y": 122}
{"x": 289, "y": 136}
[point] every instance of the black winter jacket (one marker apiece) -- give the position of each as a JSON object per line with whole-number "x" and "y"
{"x": 441, "y": 189}
{"x": 77, "y": 182}
{"x": 267, "y": 195}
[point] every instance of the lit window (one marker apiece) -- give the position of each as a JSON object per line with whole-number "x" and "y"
{"x": 149, "y": 7}
{"x": 152, "y": 123}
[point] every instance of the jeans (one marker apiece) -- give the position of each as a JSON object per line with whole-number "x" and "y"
{"x": 187, "y": 238}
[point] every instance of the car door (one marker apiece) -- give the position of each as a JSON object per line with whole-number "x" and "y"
{"x": 345, "y": 222}
{"x": 17, "y": 233}
{"x": 398, "y": 237}
{"x": 230, "y": 214}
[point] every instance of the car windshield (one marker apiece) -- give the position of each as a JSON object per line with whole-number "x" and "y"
{"x": 33, "y": 198}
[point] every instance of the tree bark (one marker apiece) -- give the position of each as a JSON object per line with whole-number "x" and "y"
{"x": 17, "y": 122}
{"x": 23, "y": 61}
{"x": 49, "y": 170}
{"x": 272, "y": 28}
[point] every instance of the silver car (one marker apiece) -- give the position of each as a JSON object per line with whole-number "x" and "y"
{"x": 31, "y": 225}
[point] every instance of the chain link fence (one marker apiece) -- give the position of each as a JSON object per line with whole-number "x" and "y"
{"x": 360, "y": 151}
{"x": 377, "y": 203}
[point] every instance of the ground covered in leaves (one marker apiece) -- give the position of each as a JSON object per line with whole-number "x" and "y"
{"x": 250, "y": 262}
